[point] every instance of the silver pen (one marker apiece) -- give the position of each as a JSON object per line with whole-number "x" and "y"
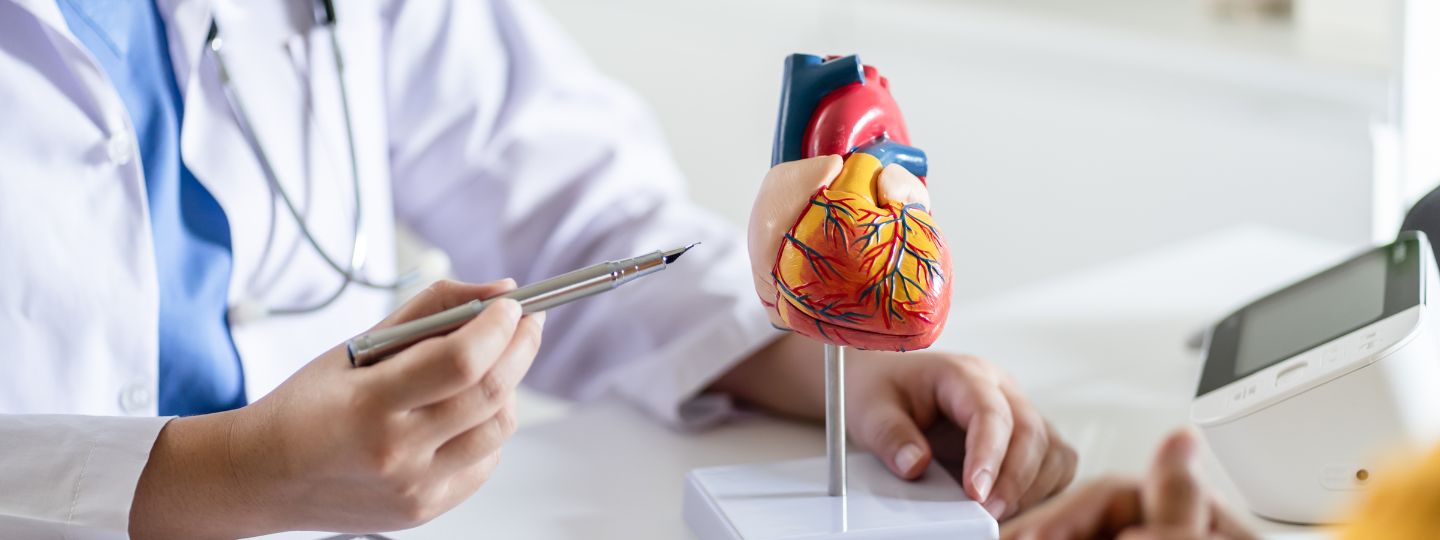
{"x": 563, "y": 289}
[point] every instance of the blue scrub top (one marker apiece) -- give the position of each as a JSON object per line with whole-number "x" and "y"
{"x": 200, "y": 370}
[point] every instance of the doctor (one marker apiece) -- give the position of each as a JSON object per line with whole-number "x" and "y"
{"x": 196, "y": 200}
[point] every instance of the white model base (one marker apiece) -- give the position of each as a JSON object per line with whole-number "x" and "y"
{"x": 787, "y": 499}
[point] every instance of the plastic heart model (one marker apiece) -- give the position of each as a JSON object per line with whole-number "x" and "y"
{"x": 853, "y": 269}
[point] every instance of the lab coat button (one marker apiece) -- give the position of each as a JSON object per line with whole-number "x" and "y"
{"x": 120, "y": 148}
{"x": 136, "y": 397}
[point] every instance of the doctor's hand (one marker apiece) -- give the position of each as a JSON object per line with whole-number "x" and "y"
{"x": 338, "y": 448}
{"x": 910, "y": 408}
{"x": 1168, "y": 503}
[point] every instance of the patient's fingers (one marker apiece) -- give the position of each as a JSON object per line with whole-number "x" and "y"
{"x": 1097, "y": 509}
{"x": 1227, "y": 525}
{"x": 1172, "y": 494}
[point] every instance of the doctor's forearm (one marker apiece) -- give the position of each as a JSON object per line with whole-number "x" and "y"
{"x": 190, "y": 489}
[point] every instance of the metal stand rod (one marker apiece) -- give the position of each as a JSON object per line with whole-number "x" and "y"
{"x": 835, "y": 417}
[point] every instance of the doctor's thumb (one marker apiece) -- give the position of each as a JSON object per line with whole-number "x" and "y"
{"x": 891, "y": 434}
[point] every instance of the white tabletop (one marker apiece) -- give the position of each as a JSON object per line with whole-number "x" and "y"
{"x": 1101, "y": 352}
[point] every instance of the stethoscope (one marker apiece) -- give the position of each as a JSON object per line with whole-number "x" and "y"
{"x": 350, "y": 271}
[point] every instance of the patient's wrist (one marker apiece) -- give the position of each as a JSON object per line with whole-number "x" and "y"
{"x": 783, "y": 377}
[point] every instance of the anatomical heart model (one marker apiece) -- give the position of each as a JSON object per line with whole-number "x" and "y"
{"x": 848, "y": 265}
{"x": 844, "y": 251}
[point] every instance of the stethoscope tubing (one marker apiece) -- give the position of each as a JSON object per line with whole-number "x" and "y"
{"x": 359, "y": 245}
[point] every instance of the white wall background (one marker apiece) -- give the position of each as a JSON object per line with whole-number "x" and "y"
{"x": 1056, "y": 140}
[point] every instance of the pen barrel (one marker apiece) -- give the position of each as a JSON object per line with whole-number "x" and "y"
{"x": 380, "y": 344}
{"x": 543, "y": 295}
{"x": 539, "y": 296}
{"x": 566, "y": 288}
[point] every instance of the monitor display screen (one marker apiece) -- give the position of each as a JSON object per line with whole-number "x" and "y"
{"x": 1313, "y": 313}
{"x": 1373, "y": 285}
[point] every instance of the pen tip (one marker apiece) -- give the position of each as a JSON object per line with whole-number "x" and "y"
{"x": 672, "y": 255}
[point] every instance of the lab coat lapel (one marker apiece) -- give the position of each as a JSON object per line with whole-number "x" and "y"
{"x": 186, "y": 23}
{"x": 90, "y": 89}
{"x": 47, "y": 11}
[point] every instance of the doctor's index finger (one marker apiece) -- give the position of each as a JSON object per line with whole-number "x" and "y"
{"x": 445, "y": 294}
{"x": 442, "y": 366}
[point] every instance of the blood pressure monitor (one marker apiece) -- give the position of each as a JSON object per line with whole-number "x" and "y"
{"x": 1305, "y": 392}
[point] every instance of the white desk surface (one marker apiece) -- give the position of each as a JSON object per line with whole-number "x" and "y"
{"x": 1101, "y": 352}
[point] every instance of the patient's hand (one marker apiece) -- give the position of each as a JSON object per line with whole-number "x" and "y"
{"x": 339, "y": 448}
{"x": 1168, "y": 503}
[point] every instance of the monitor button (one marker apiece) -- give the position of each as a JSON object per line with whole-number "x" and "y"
{"x": 1292, "y": 374}
{"x": 1330, "y": 355}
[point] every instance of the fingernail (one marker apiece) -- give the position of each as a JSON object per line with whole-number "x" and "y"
{"x": 908, "y": 457}
{"x": 539, "y": 317}
{"x": 996, "y": 508}
{"x": 983, "y": 480}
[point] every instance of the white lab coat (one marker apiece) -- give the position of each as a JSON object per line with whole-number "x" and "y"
{"x": 478, "y": 125}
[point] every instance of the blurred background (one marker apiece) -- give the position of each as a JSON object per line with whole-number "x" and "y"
{"x": 1061, "y": 133}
